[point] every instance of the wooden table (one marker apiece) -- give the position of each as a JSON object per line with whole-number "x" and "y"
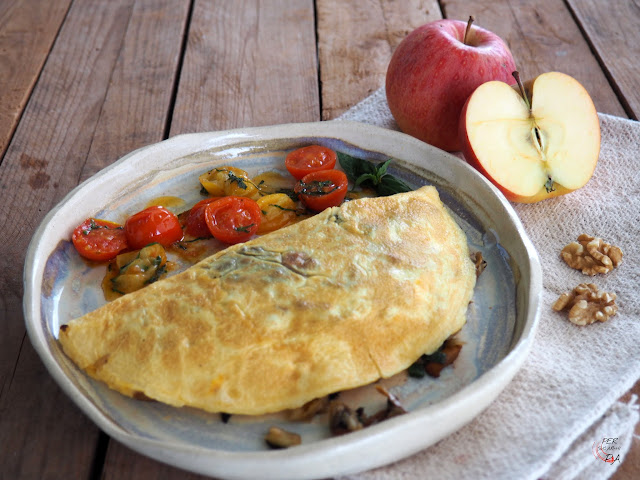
{"x": 83, "y": 82}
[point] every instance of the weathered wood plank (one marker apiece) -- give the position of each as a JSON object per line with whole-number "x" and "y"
{"x": 50, "y": 145}
{"x": 123, "y": 464}
{"x": 613, "y": 28}
{"x": 355, "y": 42}
{"x": 248, "y": 63}
{"x": 542, "y": 38}
{"x": 27, "y": 31}
{"x": 41, "y": 434}
{"x": 136, "y": 109}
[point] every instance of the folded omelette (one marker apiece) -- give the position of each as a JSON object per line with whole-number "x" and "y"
{"x": 351, "y": 295}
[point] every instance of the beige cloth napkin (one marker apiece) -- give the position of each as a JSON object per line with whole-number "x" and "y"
{"x": 565, "y": 398}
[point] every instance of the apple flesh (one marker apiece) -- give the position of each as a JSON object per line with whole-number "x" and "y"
{"x": 434, "y": 70}
{"x": 533, "y": 151}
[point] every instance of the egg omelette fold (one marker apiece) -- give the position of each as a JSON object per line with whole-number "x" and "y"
{"x": 336, "y": 301}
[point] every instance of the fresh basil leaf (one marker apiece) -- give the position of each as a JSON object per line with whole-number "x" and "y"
{"x": 364, "y": 177}
{"x": 381, "y": 168}
{"x": 390, "y": 185}
{"x": 363, "y": 172}
{"x": 347, "y": 163}
{"x": 354, "y": 167}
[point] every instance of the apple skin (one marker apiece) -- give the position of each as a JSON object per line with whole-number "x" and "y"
{"x": 592, "y": 129}
{"x": 432, "y": 73}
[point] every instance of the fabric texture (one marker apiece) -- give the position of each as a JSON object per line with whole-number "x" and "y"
{"x": 564, "y": 400}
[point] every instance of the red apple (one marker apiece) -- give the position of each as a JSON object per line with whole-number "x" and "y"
{"x": 533, "y": 141}
{"x": 435, "y": 69}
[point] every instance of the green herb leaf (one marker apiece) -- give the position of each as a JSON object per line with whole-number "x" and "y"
{"x": 381, "y": 168}
{"x": 161, "y": 270}
{"x": 280, "y": 207}
{"x": 234, "y": 178}
{"x": 92, "y": 226}
{"x": 245, "y": 228}
{"x": 317, "y": 188}
{"x": 290, "y": 193}
{"x": 390, "y": 185}
{"x": 363, "y": 172}
{"x": 438, "y": 357}
{"x": 354, "y": 167}
{"x": 416, "y": 370}
{"x": 366, "y": 176}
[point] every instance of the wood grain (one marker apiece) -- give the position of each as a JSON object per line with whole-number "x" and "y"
{"x": 137, "y": 105}
{"x": 123, "y": 463}
{"x": 27, "y": 31}
{"x": 41, "y": 434}
{"x": 615, "y": 37}
{"x": 542, "y": 38}
{"x": 245, "y": 65}
{"x": 248, "y": 63}
{"x": 355, "y": 42}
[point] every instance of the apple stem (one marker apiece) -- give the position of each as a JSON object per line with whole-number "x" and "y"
{"x": 516, "y": 75}
{"x": 468, "y": 29}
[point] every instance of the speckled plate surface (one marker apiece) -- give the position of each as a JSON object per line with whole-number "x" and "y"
{"x": 497, "y": 337}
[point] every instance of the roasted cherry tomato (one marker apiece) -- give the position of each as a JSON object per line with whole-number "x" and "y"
{"x": 233, "y": 219}
{"x": 278, "y": 210}
{"x": 153, "y": 224}
{"x": 323, "y": 189}
{"x": 99, "y": 240}
{"x": 309, "y": 159}
{"x": 224, "y": 181}
{"x": 195, "y": 225}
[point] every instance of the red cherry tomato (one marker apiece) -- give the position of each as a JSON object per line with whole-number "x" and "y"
{"x": 195, "y": 225}
{"x": 323, "y": 189}
{"x": 153, "y": 224}
{"x": 99, "y": 240}
{"x": 309, "y": 159}
{"x": 233, "y": 219}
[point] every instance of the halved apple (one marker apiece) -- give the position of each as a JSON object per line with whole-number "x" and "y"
{"x": 533, "y": 141}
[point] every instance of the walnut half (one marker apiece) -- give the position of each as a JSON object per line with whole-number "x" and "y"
{"x": 587, "y": 305}
{"x": 591, "y": 255}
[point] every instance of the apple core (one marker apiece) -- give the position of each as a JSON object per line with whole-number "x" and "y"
{"x": 532, "y": 149}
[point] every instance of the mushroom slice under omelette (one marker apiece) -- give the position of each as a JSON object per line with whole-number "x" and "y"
{"x": 339, "y": 300}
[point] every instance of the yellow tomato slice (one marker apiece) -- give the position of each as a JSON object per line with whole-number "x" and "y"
{"x": 226, "y": 181}
{"x": 278, "y": 210}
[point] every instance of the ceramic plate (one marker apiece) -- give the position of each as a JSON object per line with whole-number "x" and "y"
{"x": 497, "y": 337}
